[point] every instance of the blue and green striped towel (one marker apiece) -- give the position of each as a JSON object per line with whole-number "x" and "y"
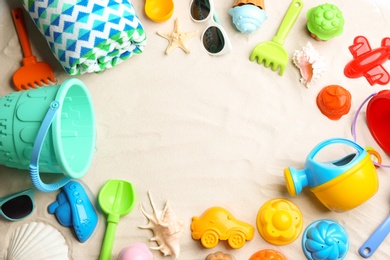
{"x": 88, "y": 35}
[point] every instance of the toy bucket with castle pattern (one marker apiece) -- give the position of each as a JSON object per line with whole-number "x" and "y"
{"x": 340, "y": 184}
{"x": 48, "y": 129}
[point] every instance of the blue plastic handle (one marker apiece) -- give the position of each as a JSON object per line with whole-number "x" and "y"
{"x": 373, "y": 242}
{"x": 319, "y": 147}
{"x": 36, "y": 152}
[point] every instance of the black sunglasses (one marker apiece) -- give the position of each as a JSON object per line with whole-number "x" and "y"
{"x": 214, "y": 37}
{"x": 17, "y": 206}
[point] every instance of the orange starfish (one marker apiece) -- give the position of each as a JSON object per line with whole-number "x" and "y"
{"x": 177, "y": 38}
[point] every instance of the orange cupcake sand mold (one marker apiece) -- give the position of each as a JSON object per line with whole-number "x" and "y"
{"x": 334, "y": 101}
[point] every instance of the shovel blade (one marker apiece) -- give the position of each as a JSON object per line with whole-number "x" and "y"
{"x": 117, "y": 197}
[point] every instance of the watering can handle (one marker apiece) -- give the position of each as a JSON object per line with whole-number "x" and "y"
{"x": 351, "y": 143}
{"x": 34, "y": 168}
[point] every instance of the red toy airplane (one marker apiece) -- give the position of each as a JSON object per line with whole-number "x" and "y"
{"x": 367, "y": 62}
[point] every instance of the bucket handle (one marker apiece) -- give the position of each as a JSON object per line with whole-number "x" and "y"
{"x": 353, "y": 131}
{"x": 335, "y": 141}
{"x": 36, "y": 152}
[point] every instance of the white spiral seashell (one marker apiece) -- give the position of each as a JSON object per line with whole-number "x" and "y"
{"x": 310, "y": 64}
{"x": 37, "y": 241}
{"x": 248, "y": 18}
{"x": 167, "y": 228}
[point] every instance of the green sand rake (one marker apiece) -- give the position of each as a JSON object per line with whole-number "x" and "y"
{"x": 272, "y": 53}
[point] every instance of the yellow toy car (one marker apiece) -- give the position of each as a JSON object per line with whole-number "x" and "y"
{"x": 216, "y": 224}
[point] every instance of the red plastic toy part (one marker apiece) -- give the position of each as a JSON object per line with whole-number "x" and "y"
{"x": 378, "y": 111}
{"x": 367, "y": 62}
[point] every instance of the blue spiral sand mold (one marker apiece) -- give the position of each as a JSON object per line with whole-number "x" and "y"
{"x": 325, "y": 240}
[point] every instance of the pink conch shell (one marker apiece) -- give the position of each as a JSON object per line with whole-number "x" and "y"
{"x": 311, "y": 65}
{"x": 167, "y": 229}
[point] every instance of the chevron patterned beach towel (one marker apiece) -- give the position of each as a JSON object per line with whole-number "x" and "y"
{"x": 88, "y": 35}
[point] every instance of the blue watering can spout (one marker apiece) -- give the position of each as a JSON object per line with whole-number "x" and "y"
{"x": 296, "y": 180}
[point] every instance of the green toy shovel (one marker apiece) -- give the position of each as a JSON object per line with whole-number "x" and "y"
{"x": 116, "y": 198}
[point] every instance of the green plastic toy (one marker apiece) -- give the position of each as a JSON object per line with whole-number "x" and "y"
{"x": 272, "y": 53}
{"x": 116, "y": 198}
{"x": 325, "y": 22}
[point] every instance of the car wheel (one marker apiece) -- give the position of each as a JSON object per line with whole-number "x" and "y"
{"x": 209, "y": 239}
{"x": 236, "y": 240}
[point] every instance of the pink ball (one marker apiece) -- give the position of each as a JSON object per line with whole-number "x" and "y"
{"x": 137, "y": 251}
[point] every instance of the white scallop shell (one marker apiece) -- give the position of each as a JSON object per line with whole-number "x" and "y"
{"x": 37, "y": 241}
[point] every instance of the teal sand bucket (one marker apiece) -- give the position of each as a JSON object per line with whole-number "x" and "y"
{"x": 49, "y": 129}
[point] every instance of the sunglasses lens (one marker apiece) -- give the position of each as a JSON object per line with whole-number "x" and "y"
{"x": 213, "y": 40}
{"x": 200, "y": 9}
{"x": 18, "y": 207}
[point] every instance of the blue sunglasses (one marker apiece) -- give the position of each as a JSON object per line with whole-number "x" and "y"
{"x": 17, "y": 206}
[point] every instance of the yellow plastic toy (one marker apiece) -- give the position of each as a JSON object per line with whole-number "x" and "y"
{"x": 340, "y": 185}
{"x": 216, "y": 224}
{"x": 279, "y": 222}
